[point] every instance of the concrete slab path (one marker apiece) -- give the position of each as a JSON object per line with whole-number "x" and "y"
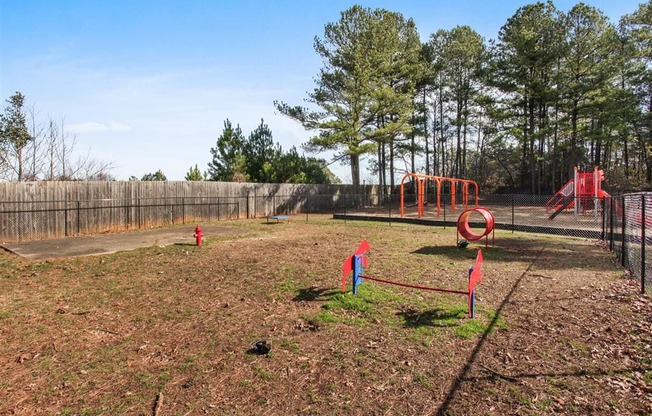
{"x": 114, "y": 242}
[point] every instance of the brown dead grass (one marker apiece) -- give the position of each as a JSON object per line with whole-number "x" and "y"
{"x": 559, "y": 330}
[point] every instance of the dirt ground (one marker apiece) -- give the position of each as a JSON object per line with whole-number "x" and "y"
{"x": 559, "y": 327}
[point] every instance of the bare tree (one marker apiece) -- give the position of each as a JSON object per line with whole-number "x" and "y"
{"x": 31, "y": 150}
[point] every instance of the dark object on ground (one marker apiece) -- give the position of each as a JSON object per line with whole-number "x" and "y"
{"x": 462, "y": 244}
{"x": 261, "y": 347}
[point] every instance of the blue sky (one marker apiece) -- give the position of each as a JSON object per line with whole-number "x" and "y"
{"x": 148, "y": 84}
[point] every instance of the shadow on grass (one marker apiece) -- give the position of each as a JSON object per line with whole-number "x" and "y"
{"x": 312, "y": 293}
{"x": 413, "y": 318}
{"x": 451, "y": 250}
{"x": 444, "y": 408}
{"x": 186, "y": 244}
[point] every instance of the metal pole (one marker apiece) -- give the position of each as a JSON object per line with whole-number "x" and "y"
{"x": 512, "y": 213}
{"x": 611, "y": 224}
{"x": 78, "y": 219}
{"x": 603, "y": 234}
{"x": 643, "y": 225}
{"x": 624, "y": 247}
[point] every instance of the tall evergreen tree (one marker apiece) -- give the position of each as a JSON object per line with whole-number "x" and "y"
{"x": 227, "y": 155}
{"x": 527, "y": 57}
{"x": 14, "y": 136}
{"x": 260, "y": 154}
{"x": 194, "y": 174}
{"x": 354, "y": 90}
{"x": 638, "y": 28}
{"x": 587, "y": 68}
{"x": 156, "y": 176}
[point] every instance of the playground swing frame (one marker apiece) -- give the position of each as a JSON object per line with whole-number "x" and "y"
{"x": 422, "y": 179}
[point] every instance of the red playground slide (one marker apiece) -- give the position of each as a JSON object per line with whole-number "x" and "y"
{"x": 579, "y": 193}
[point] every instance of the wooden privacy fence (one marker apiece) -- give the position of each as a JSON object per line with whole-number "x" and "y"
{"x": 41, "y": 210}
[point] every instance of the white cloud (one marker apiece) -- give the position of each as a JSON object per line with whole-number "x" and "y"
{"x": 115, "y": 126}
{"x": 95, "y": 127}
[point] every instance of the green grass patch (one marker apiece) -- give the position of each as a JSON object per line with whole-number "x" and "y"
{"x": 289, "y": 345}
{"x": 368, "y": 299}
{"x": 263, "y": 374}
{"x": 470, "y": 329}
{"x": 289, "y": 285}
{"x": 423, "y": 380}
{"x": 327, "y": 317}
{"x": 424, "y": 335}
{"x": 648, "y": 377}
{"x": 579, "y": 346}
{"x": 494, "y": 318}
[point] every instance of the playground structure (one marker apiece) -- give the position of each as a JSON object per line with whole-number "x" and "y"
{"x": 358, "y": 261}
{"x": 439, "y": 181}
{"x": 581, "y": 193}
{"x": 464, "y": 229}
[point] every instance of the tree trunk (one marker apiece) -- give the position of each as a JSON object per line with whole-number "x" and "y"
{"x": 442, "y": 138}
{"x": 425, "y": 131}
{"x": 355, "y": 174}
{"x": 381, "y": 188}
{"x": 572, "y": 162}
{"x": 391, "y": 164}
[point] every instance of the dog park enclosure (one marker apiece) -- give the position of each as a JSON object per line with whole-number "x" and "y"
{"x": 44, "y": 210}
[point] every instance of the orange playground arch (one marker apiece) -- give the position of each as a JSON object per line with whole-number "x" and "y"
{"x": 439, "y": 181}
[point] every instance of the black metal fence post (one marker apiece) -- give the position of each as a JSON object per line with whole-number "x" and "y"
{"x": 611, "y": 224}
{"x": 643, "y": 225}
{"x": 78, "y": 217}
{"x": 512, "y": 213}
{"x": 603, "y": 232}
{"x": 624, "y": 247}
{"x": 65, "y": 219}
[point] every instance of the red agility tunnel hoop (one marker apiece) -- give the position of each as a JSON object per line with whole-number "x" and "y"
{"x": 464, "y": 229}
{"x": 358, "y": 261}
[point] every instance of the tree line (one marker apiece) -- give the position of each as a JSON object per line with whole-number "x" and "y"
{"x": 257, "y": 158}
{"x": 554, "y": 90}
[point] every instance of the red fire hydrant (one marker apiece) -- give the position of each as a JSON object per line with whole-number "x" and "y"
{"x": 198, "y": 235}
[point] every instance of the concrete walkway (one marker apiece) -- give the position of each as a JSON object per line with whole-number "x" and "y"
{"x": 113, "y": 242}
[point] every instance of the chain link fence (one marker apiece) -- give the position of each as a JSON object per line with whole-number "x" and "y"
{"x": 626, "y": 222}
{"x": 576, "y": 217}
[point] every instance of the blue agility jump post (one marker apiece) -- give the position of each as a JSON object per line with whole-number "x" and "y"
{"x": 357, "y": 261}
{"x": 471, "y": 296}
{"x": 358, "y": 271}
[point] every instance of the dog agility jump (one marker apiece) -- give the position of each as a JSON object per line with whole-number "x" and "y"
{"x": 357, "y": 262}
